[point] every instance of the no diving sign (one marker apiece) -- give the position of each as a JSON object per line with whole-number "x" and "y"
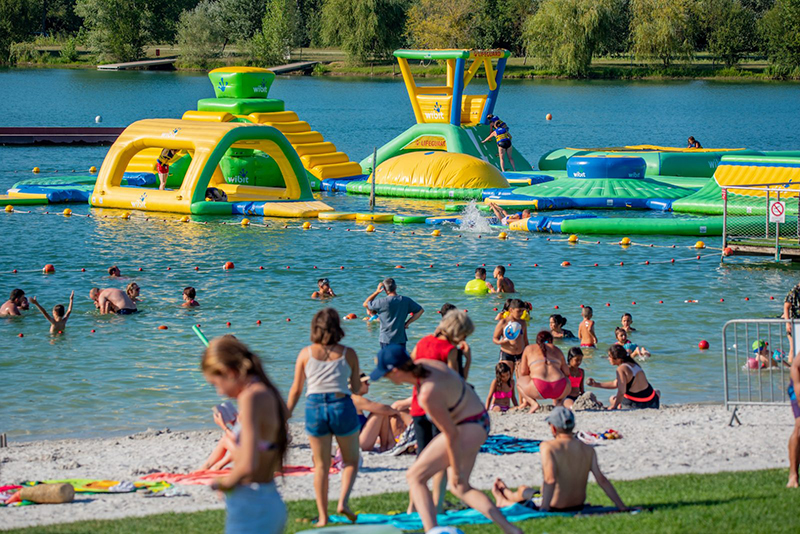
{"x": 777, "y": 211}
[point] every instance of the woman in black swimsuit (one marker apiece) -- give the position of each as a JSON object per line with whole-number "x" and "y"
{"x": 464, "y": 425}
{"x": 633, "y": 388}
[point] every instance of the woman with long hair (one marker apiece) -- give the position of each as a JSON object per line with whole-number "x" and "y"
{"x": 332, "y": 372}
{"x": 633, "y": 388}
{"x": 259, "y": 439}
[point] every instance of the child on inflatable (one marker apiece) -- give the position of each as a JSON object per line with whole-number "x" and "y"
{"x": 501, "y": 134}
{"x": 162, "y": 167}
{"x": 634, "y": 350}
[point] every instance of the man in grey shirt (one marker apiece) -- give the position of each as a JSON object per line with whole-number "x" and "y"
{"x": 393, "y": 311}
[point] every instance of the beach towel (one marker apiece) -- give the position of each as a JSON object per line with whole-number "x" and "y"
{"x": 89, "y": 485}
{"x": 207, "y": 476}
{"x": 514, "y": 513}
{"x": 500, "y": 444}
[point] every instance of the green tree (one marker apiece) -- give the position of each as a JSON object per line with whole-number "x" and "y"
{"x": 117, "y": 29}
{"x": 563, "y": 34}
{"x": 441, "y": 23}
{"x": 278, "y": 33}
{"x": 500, "y": 23}
{"x": 241, "y": 19}
{"x": 16, "y": 23}
{"x": 309, "y": 13}
{"x": 201, "y": 35}
{"x": 365, "y": 30}
{"x": 663, "y": 29}
{"x": 729, "y": 29}
{"x": 780, "y": 31}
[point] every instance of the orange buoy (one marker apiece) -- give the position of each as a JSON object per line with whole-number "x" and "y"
{"x": 49, "y": 268}
{"x": 350, "y": 316}
{"x": 548, "y": 117}
{"x": 565, "y": 264}
{"x": 399, "y": 267}
{"x": 727, "y": 251}
{"x": 228, "y": 265}
{"x": 163, "y": 327}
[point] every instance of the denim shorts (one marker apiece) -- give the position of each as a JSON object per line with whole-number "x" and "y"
{"x": 254, "y": 508}
{"x": 326, "y": 414}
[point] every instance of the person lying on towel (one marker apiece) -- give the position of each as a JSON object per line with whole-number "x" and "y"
{"x": 566, "y": 463}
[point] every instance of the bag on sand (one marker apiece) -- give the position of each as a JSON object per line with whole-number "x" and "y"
{"x": 48, "y": 493}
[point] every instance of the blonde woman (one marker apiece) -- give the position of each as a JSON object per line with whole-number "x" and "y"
{"x": 332, "y": 372}
{"x": 259, "y": 438}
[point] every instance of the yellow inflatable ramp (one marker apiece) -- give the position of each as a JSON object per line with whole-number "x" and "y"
{"x": 749, "y": 171}
{"x": 337, "y": 216}
{"x": 319, "y": 157}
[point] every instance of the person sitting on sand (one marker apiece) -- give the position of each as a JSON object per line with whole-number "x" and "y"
{"x": 586, "y": 329}
{"x": 576, "y": 375}
{"x": 633, "y": 388}
{"x": 627, "y": 323}
{"x": 557, "y": 329}
{"x": 694, "y": 143}
{"x": 14, "y": 304}
{"x": 511, "y": 349}
{"x": 112, "y": 300}
{"x": 566, "y": 464}
{"x": 455, "y": 409}
{"x": 382, "y": 425}
{"x": 133, "y": 291}
{"x": 504, "y": 218}
{"x": 189, "y": 294}
{"x": 504, "y": 285}
{"x": 114, "y": 272}
{"x": 543, "y": 373}
{"x": 324, "y": 290}
{"x": 58, "y": 322}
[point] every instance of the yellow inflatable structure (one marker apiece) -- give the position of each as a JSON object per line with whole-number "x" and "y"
{"x": 439, "y": 170}
{"x": 206, "y": 142}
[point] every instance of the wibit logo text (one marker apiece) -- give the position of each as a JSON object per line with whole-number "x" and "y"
{"x": 141, "y": 203}
{"x": 437, "y": 112}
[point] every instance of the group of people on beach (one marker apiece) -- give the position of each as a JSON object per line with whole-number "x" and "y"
{"x": 449, "y": 421}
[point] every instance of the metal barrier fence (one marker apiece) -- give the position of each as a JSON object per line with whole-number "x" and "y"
{"x": 756, "y": 383}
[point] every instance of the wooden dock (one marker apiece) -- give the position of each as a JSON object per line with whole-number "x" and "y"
{"x": 305, "y": 66}
{"x": 47, "y": 135}
{"x": 162, "y": 63}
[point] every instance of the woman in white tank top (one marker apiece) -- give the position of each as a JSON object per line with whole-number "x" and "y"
{"x": 332, "y": 373}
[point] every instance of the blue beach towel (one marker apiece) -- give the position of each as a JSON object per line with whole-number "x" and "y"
{"x": 499, "y": 444}
{"x": 515, "y": 512}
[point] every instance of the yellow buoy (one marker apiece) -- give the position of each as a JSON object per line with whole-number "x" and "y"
{"x": 245, "y": 222}
{"x": 184, "y": 219}
{"x": 306, "y": 225}
{"x": 92, "y": 169}
{"x": 502, "y": 235}
{"x": 573, "y": 238}
{"x": 9, "y": 209}
{"x": 370, "y": 228}
{"x": 126, "y": 215}
{"x": 67, "y": 212}
{"x": 548, "y": 117}
{"x": 436, "y": 233}
{"x": 625, "y": 241}
{"x": 699, "y": 244}
{"x": 35, "y": 170}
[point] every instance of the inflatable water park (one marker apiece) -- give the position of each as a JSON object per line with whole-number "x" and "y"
{"x": 241, "y": 152}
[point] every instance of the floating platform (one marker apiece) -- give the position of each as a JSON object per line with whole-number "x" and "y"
{"x": 163, "y": 63}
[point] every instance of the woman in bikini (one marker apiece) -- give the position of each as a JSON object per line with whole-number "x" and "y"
{"x": 458, "y": 413}
{"x": 633, "y": 388}
{"x": 542, "y": 373}
{"x": 258, "y": 441}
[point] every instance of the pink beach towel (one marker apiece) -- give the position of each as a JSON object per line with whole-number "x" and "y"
{"x": 207, "y": 476}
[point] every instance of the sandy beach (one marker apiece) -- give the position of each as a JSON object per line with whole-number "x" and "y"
{"x": 675, "y": 439}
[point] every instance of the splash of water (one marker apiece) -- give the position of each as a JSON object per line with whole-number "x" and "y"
{"x": 473, "y": 221}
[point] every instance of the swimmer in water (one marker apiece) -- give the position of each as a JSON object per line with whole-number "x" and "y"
{"x": 14, "y": 304}
{"x": 112, "y": 300}
{"x": 627, "y": 322}
{"x": 324, "y": 290}
{"x": 586, "y": 329}
{"x": 480, "y": 274}
{"x": 58, "y": 322}
{"x": 189, "y": 293}
{"x": 114, "y": 272}
{"x": 504, "y": 218}
{"x": 557, "y": 329}
{"x": 504, "y": 285}
{"x": 133, "y": 291}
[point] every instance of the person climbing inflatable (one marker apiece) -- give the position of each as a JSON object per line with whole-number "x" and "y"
{"x": 162, "y": 167}
{"x": 501, "y": 134}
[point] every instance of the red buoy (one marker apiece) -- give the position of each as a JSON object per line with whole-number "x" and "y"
{"x": 555, "y": 307}
{"x": 258, "y": 322}
{"x": 20, "y": 335}
{"x": 288, "y": 320}
{"x": 163, "y": 327}
{"x": 83, "y": 270}
{"x": 228, "y": 265}
{"x": 49, "y": 268}
{"x": 703, "y": 345}
{"x": 228, "y": 324}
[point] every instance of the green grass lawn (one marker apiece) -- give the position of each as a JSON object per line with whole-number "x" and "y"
{"x": 750, "y": 502}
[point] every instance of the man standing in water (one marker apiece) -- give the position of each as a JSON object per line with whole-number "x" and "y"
{"x": 393, "y": 311}
{"x": 112, "y": 300}
{"x": 14, "y": 304}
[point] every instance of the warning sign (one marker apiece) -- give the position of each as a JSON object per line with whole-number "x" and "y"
{"x": 777, "y": 211}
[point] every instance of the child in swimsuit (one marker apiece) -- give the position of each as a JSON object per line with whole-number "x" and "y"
{"x": 511, "y": 349}
{"x": 189, "y": 293}
{"x": 502, "y": 391}
{"x": 586, "y": 330}
{"x": 627, "y": 322}
{"x": 58, "y": 322}
{"x": 162, "y": 167}
{"x": 634, "y": 350}
{"x": 576, "y": 375}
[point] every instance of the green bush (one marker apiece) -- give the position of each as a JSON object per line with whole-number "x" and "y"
{"x": 366, "y": 30}
{"x": 780, "y": 30}
{"x": 663, "y": 29}
{"x": 69, "y": 51}
{"x": 201, "y": 35}
{"x": 273, "y": 44}
{"x": 25, "y": 53}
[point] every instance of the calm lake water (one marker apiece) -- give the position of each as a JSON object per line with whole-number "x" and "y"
{"x": 129, "y": 376}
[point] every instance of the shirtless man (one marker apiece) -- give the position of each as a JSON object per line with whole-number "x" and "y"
{"x": 14, "y": 304}
{"x": 503, "y": 216}
{"x": 112, "y": 300}
{"x": 511, "y": 349}
{"x": 566, "y": 463}
{"x": 504, "y": 285}
{"x": 324, "y": 290}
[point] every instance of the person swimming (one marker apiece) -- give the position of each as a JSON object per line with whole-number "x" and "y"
{"x": 58, "y": 322}
{"x": 557, "y": 329}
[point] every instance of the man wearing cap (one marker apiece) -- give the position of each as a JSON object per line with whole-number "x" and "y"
{"x": 393, "y": 311}
{"x": 566, "y": 463}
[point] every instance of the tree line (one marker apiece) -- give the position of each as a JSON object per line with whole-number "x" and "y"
{"x": 560, "y": 36}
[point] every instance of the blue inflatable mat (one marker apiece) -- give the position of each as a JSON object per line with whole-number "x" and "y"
{"x": 59, "y": 193}
{"x": 499, "y": 444}
{"x": 338, "y": 185}
{"x": 515, "y": 512}
{"x": 552, "y": 223}
{"x": 139, "y": 179}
